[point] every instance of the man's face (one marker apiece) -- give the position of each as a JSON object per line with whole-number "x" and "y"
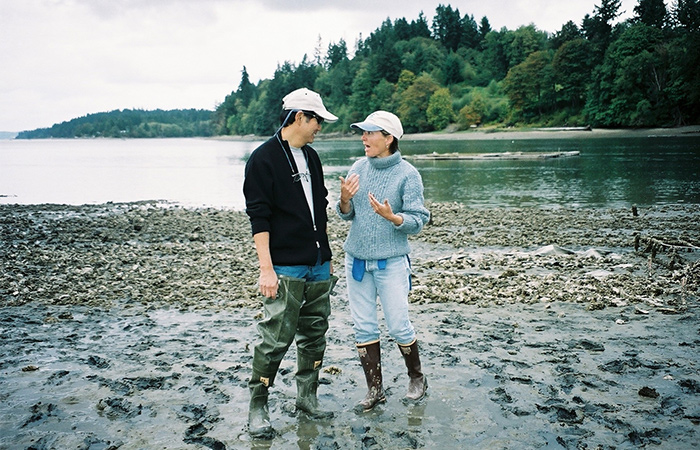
{"x": 309, "y": 126}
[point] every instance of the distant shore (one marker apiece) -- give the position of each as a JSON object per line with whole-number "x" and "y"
{"x": 555, "y": 133}
{"x": 516, "y": 134}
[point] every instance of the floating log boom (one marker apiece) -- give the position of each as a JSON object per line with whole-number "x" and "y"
{"x": 490, "y": 156}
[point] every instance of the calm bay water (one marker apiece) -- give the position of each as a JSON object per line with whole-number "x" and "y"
{"x": 204, "y": 172}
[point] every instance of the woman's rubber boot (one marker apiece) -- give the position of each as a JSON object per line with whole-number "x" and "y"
{"x": 417, "y": 382}
{"x": 258, "y": 413}
{"x": 370, "y": 358}
{"x": 307, "y": 386}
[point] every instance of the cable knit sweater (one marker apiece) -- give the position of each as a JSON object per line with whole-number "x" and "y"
{"x": 391, "y": 178}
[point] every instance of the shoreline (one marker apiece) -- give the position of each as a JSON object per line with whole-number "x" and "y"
{"x": 486, "y": 133}
{"x": 514, "y": 133}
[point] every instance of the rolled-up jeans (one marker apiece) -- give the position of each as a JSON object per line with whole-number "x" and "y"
{"x": 391, "y": 284}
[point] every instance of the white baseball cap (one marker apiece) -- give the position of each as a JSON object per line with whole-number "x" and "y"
{"x": 381, "y": 120}
{"x": 306, "y": 100}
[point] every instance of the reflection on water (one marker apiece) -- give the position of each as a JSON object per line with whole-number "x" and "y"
{"x": 196, "y": 172}
{"x": 608, "y": 172}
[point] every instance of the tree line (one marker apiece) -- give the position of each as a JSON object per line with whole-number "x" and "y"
{"x": 130, "y": 123}
{"x": 460, "y": 73}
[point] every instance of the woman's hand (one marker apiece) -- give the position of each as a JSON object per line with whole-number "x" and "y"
{"x": 384, "y": 210}
{"x": 348, "y": 189}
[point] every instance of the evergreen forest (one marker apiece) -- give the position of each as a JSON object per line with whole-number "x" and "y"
{"x": 454, "y": 72}
{"x": 459, "y": 73}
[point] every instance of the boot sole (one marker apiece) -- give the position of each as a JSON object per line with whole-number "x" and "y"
{"x": 413, "y": 401}
{"x": 361, "y": 409}
{"x": 266, "y": 434}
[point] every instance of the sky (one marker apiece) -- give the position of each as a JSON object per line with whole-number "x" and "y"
{"x": 62, "y": 59}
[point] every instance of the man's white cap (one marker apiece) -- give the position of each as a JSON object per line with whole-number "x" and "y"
{"x": 381, "y": 120}
{"x": 306, "y": 100}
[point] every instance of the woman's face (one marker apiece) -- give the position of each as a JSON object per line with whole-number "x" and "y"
{"x": 376, "y": 144}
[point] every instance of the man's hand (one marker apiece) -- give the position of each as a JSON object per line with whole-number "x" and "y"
{"x": 268, "y": 282}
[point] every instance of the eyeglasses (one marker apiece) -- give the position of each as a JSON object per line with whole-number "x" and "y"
{"x": 301, "y": 175}
{"x": 312, "y": 115}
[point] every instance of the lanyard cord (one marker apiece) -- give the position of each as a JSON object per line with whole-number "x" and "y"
{"x": 295, "y": 176}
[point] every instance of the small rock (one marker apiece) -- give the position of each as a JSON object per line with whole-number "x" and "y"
{"x": 648, "y": 392}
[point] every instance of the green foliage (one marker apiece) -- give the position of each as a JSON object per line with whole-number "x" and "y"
{"x": 413, "y": 104}
{"x": 130, "y": 124}
{"x": 573, "y": 65}
{"x": 651, "y": 13}
{"x": 530, "y": 86}
{"x": 440, "y": 112}
{"x": 687, "y": 14}
{"x": 522, "y": 42}
{"x": 569, "y": 32}
{"x": 634, "y": 85}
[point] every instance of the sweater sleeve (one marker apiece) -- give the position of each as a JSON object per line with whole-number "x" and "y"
{"x": 415, "y": 214}
{"x": 345, "y": 216}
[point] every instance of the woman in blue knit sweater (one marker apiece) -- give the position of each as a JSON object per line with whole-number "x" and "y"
{"x": 382, "y": 196}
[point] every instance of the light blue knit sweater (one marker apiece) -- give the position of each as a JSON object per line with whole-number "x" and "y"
{"x": 371, "y": 236}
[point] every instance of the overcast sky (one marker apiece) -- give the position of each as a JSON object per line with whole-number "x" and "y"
{"x": 62, "y": 59}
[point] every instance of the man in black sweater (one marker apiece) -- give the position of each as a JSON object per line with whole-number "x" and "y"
{"x": 286, "y": 203}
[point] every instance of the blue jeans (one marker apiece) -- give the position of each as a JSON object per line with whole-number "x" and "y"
{"x": 318, "y": 272}
{"x": 391, "y": 285}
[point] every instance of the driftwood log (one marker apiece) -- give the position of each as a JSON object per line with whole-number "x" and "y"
{"x": 653, "y": 245}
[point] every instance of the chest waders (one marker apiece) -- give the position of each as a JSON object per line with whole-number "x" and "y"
{"x": 299, "y": 312}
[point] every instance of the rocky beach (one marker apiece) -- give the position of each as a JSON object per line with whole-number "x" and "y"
{"x": 131, "y": 326}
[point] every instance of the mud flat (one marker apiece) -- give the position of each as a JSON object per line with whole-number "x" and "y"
{"x": 132, "y": 326}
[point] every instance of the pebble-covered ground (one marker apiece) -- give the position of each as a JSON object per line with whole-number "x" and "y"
{"x": 132, "y": 325}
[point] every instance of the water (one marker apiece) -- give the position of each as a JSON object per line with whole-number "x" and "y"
{"x": 206, "y": 172}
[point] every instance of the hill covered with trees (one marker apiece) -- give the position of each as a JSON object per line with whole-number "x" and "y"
{"x": 130, "y": 124}
{"x": 456, "y": 71}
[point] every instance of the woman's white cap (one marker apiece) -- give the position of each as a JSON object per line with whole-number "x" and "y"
{"x": 306, "y": 100}
{"x": 381, "y": 120}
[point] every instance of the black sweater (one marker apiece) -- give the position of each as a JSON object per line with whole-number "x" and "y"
{"x": 277, "y": 204}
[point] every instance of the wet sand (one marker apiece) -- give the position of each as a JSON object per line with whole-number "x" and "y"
{"x": 132, "y": 326}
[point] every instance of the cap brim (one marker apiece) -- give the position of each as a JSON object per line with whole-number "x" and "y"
{"x": 327, "y": 116}
{"x": 366, "y": 126}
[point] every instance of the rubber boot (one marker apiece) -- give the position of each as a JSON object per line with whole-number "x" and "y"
{"x": 307, "y": 386}
{"x": 417, "y": 382}
{"x": 258, "y": 413}
{"x": 370, "y": 358}
{"x": 311, "y": 340}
